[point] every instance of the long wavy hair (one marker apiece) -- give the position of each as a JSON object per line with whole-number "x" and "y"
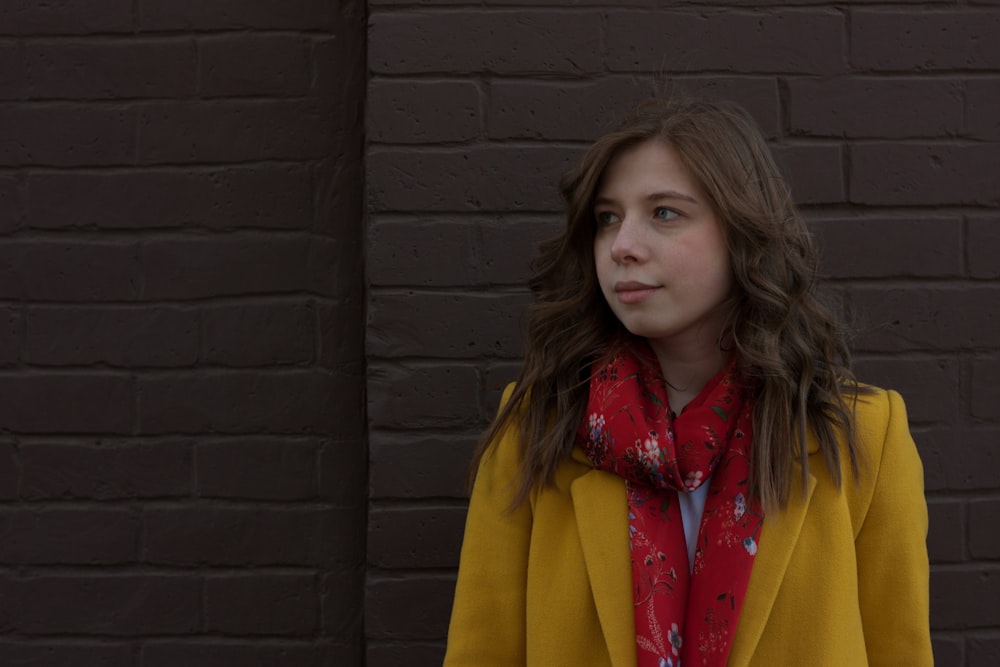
{"x": 785, "y": 337}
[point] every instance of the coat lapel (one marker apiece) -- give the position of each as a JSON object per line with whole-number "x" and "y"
{"x": 602, "y": 518}
{"x": 777, "y": 542}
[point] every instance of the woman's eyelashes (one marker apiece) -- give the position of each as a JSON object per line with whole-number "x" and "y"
{"x": 605, "y": 218}
{"x": 660, "y": 213}
{"x": 664, "y": 213}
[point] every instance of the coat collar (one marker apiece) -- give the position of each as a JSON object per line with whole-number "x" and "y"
{"x": 601, "y": 510}
{"x": 602, "y": 519}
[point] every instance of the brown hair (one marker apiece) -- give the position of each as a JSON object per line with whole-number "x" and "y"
{"x": 785, "y": 337}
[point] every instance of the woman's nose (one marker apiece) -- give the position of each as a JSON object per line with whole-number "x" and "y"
{"x": 628, "y": 245}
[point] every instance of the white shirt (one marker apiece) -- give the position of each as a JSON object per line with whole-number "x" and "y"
{"x": 692, "y": 506}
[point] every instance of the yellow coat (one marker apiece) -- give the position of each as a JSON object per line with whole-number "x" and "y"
{"x": 840, "y": 578}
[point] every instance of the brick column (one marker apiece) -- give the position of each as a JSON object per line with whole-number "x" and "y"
{"x": 182, "y": 442}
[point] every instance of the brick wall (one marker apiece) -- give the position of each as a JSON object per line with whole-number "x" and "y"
{"x": 885, "y": 117}
{"x": 182, "y": 446}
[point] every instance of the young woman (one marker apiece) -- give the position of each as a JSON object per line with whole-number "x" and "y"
{"x": 686, "y": 472}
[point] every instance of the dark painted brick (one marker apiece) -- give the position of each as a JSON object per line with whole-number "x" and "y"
{"x": 814, "y": 172}
{"x": 65, "y": 402}
{"x": 130, "y": 336}
{"x": 929, "y": 386}
{"x": 982, "y": 108}
{"x": 984, "y": 651}
{"x": 509, "y": 245}
{"x": 579, "y": 110}
{"x": 9, "y": 471}
{"x": 889, "y": 173}
{"x": 10, "y": 336}
{"x": 946, "y": 536}
{"x": 757, "y": 94}
{"x": 983, "y": 247}
{"x": 339, "y": 65}
{"x": 341, "y": 331}
{"x": 927, "y": 318}
{"x": 23, "y": 17}
{"x": 984, "y": 538}
{"x": 535, "y": 3}
{"x": 343, "y": 471}
{"x": 949, "y": 651}
{"x": 212, "y": 653}
{"x": 417, "y": 654}
{"x": 893, "y": 39}
{"x": 200, "y": 535}
{"x": 11, "y": 71}
{"x": 966, "y": 597}
{"x": 60, "y": 653}
{"x": 105, "y": 471}
{"x": 258, "y": 334}
{"x": 344, "y": 538}
{"x": 583, "y": 110}
{"x": 233, "y": 130}
{"x": 418, "y": 112}
{"x": 236, "y": 14}
{"x": 530, "y": 42}
{"x": 415, "y": 607}
{"x": 334, "y": 182}
{"x": 294, "y": 401}
{"x": 260, "y": 196}
{"x": 432, "y": 536}
{"x": 932, "y": 444}
{"x": 69, "y": 271}
{"x": 67, "y": 134}
{"x": 876, "y": 107}
{"x": 217, "y": 265}
{"x": 424, "y": 396}
{"x": 755, "y": 42}
{"x": 233, "y": 604}
{"x": 497, "y": 376}
{"x": 68, "y": 536}
{"x": 11, "y": 204}
{"x": 342, "y": 597}
{"x": 963, "y": 461}
{"x": 257, "y": 468}
{"x": 335, "y": 265}
{"x": 918, "y": 246}
{"x": 407, "y": 252}
{"x": 621, "y": 3}
{"x": 61, "y": 68}
{"x": 409, "y": 466}
{"x": 116, "y": 605}
{"x": 456, "y": 325}
{"x": 473, "y": 179}
{"x": 252, "y": 64}
{"x": 985, "y": 399}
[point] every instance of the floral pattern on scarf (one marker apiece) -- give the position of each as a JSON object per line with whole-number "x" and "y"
{"x": 684, "y": 614}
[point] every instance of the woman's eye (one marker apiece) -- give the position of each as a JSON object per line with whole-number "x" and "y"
{"x": 606, "y": 217}
{"x": 664, "y": 213}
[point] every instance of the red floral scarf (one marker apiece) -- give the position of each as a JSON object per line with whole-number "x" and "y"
{"x": 629, "y": 430}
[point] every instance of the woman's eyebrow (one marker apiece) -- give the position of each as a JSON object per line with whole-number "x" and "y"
{"x": 671, "y": 194}
{"x": 653, "y": 197}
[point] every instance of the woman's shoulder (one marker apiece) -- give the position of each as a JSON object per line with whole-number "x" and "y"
{"x": 889, "y": 461}
{"x": 876, "y": 412}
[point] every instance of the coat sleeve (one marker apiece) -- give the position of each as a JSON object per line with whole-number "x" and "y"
{"x": 893, "y": 575}
{"x": 488, "y": 617}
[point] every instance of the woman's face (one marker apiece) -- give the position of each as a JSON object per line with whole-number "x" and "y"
{"x": 660, "y": 250}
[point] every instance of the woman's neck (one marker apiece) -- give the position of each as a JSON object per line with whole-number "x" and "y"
{"x": 687, "y": 373}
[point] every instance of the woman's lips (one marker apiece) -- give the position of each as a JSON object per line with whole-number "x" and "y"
{"x": 633, "y": 292}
